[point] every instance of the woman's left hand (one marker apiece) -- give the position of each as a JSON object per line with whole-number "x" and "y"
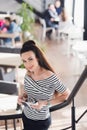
{"x": 38, "y": 105}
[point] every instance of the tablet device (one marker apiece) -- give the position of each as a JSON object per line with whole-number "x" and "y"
{"x": 29, "y": 103}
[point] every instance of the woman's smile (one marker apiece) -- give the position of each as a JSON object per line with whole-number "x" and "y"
{"x": 31, "y": 67}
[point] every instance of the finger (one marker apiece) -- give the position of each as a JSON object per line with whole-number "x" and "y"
{"x": 33, "y": 106}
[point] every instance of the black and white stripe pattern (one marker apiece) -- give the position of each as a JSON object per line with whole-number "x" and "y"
{"x": 41, "y": 90}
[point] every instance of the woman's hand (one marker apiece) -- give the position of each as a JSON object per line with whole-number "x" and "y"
{"x": 22, "y": 98}
{"x": 52, "y": 19}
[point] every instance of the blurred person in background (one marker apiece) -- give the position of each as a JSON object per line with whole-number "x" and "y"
{"x": 2, "y": 25}
{"x": 58, "y": 7}
{"x": 11, "y": 27}
{"x": 51, "y": 17}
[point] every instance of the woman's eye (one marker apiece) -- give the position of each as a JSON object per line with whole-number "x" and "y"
{"x": 24, "y": 61}
{"x": 30, "y": 59}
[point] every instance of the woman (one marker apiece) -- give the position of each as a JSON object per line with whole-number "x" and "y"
{"x": 11, "y": 27}
{"x": 53, "y": 19}
{"x": 40, "y": 84}
{"x": 58, "y": 7}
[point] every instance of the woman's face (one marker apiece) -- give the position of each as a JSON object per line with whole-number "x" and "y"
{"x": 52, "y": 7}
{"x": 30, "y": 61}
{"x": 7, "y": 23}
{"x": 57, "y": 4}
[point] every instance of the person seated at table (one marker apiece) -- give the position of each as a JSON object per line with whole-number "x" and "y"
{"x": 58, "y": 7}
{"x": 51, "y": 17}
{"x": 2, "y": 29}
{"x": 12, "y": 27}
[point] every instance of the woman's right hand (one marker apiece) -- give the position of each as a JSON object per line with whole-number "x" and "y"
{"x": 22, "y": 98}
{"x": 52, "y": 19}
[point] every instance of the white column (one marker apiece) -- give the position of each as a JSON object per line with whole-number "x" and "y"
{"x": 79, "y": 13}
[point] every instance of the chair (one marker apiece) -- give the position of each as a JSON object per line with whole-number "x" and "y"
{"x": 10, "y": 90}
{"x": 74, "y": 32}
{"x": 1, "y": 74}
{"x": 7, "y": 76}
{"x": 67, "y": 28}
{"x": 63, "y": 27}
{"x": 8, "y": 87}
{"x": 44, "y": 28}
{"x": 80, "y": 50}
{"x": 20, "y": 35}
{"x": 70, "y": 31}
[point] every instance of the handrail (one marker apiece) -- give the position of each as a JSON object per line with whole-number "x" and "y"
{"x": 73, "y": 93}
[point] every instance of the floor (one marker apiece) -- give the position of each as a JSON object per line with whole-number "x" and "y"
{"x": 68, "y": 69}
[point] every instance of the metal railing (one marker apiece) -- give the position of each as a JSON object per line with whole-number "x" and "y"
{"x": 71, "y": 100}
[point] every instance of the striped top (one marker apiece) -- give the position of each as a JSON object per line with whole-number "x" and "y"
{"x": 41, "y": 90}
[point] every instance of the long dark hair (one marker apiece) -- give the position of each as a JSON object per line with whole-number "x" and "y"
{"x": 8, "y": 19}
{"x": 30, "y": 46}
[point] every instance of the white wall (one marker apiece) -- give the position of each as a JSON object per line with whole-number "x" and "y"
{"x": 37, "y": 4}
{"x": 79, "y": 13}
{"x": 68, "y": 7}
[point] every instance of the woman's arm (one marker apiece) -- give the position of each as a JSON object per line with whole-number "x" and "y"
{"x": 59, "y": 97}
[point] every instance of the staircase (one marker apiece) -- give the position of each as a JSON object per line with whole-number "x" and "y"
{"x": 62, "y": 119}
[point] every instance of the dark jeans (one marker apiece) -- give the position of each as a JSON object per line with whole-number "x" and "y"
{"x": 38, "y": 124}
{"x": 52, "y": 24}
{"x": 7, "y": 40}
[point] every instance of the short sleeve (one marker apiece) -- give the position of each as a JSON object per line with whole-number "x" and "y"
{"x": 26, "y": 83}
{"x": 59, "y": 86}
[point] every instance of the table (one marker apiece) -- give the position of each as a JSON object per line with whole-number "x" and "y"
{"x": 80, "y": 49}
{"x": 7, "y": 102}
{"x": 10, "y": 35}
{"x": 8, "y": 110}
{"x": 9, "y": 60}
{"x": 80, "y": 46}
